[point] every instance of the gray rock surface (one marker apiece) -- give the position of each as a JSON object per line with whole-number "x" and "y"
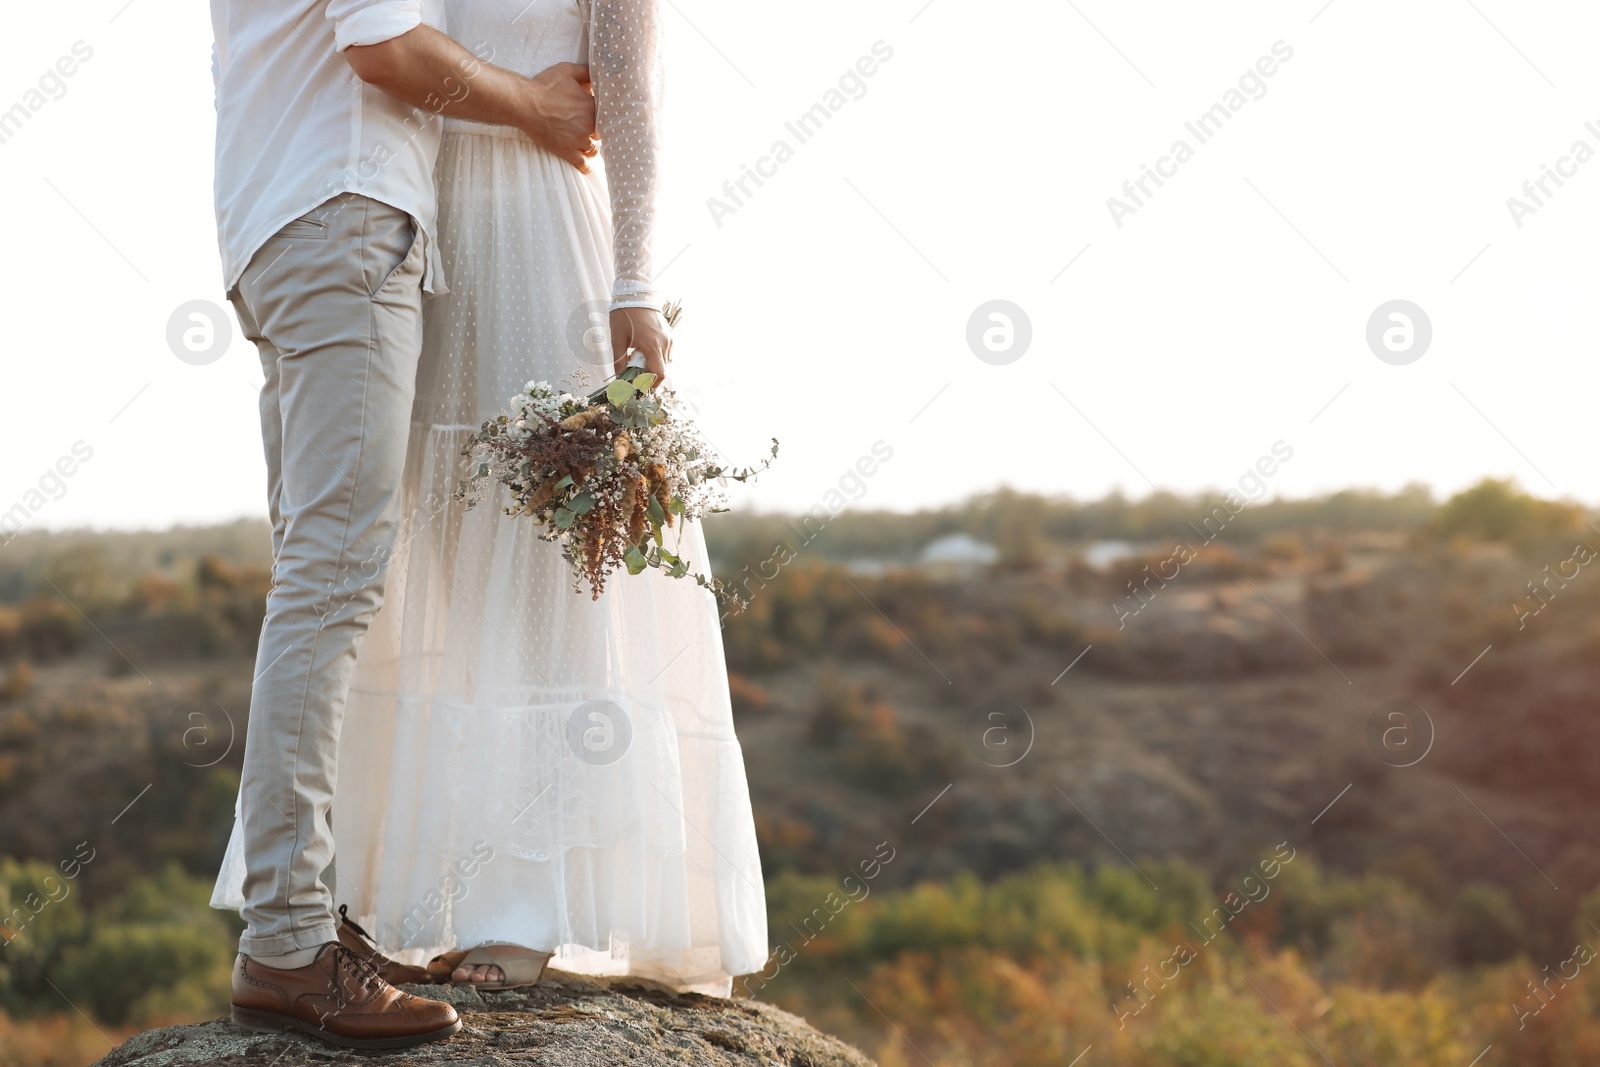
{"x": 564, "y": 1021}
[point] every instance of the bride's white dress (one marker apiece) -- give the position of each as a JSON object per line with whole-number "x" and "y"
{"x": 519, "y": 762}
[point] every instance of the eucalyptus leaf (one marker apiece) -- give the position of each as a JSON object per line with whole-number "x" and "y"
{"x": 581, "y": 503}
{"x": 564, "y": 518}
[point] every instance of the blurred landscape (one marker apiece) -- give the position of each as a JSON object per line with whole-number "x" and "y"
{"x": 1203, "y": 837}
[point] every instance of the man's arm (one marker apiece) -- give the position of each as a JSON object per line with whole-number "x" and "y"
{"x": 427, "y": 69}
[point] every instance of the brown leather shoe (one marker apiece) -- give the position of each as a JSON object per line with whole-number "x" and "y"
{"x": 339, "y": 998}
{"x": 362, "y": 944}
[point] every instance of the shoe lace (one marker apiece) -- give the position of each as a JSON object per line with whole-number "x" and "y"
{"x": 367, "y": 977}
{"x": 344, "y": 915}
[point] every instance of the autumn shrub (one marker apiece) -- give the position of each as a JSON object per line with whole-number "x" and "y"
{"x": 873, "y": 748}
{"x": 748, "y": 697}
{"x": 1036, "y": 969}
{"x": 17, "y": 683}
{"x": 66, "y": 1039}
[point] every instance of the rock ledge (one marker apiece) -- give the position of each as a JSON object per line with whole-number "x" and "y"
{"x": 564, "y": 1021}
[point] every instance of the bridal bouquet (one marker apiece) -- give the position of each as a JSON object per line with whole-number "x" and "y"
{"x": 606, "y": 474}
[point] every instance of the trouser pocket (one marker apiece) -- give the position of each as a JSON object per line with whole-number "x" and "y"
{"x": 392, "y": 250}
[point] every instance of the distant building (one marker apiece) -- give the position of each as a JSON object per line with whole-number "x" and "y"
{"x": 957, "y": 552}
{"x": 1101, "y": 554}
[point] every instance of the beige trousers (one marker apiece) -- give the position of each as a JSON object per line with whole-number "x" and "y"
{"x": 333, "y": 303}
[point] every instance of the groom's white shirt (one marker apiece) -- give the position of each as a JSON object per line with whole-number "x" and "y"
{"x": 296, "y": 127}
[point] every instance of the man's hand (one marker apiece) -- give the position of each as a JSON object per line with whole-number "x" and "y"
{"x": 561, "y": 113}
{"x": 642, "y": 330}
{"x": 427, "y": 69}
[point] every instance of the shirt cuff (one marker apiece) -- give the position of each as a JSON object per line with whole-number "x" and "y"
{"x": 377, "y": 23}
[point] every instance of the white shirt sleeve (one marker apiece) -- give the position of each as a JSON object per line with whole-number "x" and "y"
{"x": 624, "y": 36}
{"x": 364, "y": 22}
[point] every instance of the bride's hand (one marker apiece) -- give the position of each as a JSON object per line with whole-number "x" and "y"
{"x": 642, "y": 330}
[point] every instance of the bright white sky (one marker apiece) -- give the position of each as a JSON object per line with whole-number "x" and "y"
{"x": 831, "y": 310}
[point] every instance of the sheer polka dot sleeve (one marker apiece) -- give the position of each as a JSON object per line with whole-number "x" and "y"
{"x": 624, "y": 39}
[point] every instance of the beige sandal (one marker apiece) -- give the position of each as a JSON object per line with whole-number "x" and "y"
{"x": 519, "y": 966}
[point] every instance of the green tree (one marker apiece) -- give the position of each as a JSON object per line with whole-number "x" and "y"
{"x": 1486, "y": 925}
{"x": 40, "y": 919}
{"x": 1498, "y": 511}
